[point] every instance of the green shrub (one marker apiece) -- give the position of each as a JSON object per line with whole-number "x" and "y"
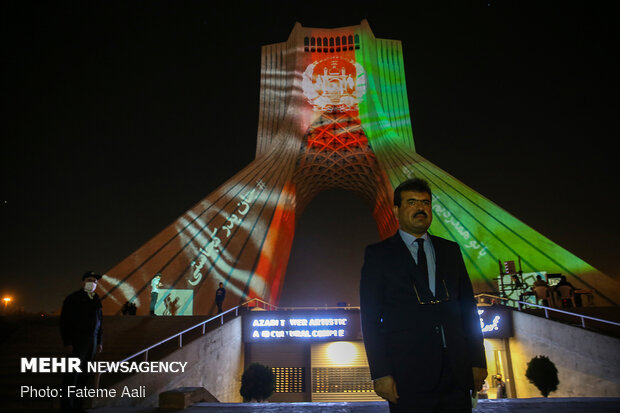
{"x": 257, "y": 383}
{"x": 541, "y": 372}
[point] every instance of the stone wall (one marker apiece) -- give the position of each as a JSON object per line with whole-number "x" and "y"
{"x": 215, "y": 362}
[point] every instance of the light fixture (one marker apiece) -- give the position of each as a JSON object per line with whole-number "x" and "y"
{"x": 342, "y": 352}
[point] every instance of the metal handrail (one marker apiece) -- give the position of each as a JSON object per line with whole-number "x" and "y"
{"x": 202, "y": 324}
{"x": 349, "y": 307}
{"x": 264, "y": 304}
{"x": 547, "y": 309}
{"x": 259, "y": 303}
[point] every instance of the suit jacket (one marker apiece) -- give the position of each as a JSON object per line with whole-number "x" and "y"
{"x": 405, "y": 338}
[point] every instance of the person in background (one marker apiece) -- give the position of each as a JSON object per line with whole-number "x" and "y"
{"x": 501, "y": 387}
{"x": 540, "y": 282}
{"x": 484, "y": 392}
{"x": 566, "y": 299}
{"x": 542, "y": 291}
{"x": 81, "y": 320}
{"x": 564, "y": 281}
{"x": 128, "y": 308}
{"x": 220, "y": 294}
{"x": 155, "y": 286}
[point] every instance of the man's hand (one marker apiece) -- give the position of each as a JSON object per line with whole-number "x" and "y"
{"x": 479, "y": 375}
{"x": 385, "y": 387}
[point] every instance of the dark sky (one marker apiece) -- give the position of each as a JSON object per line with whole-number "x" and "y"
{"x": 120, "y": 116}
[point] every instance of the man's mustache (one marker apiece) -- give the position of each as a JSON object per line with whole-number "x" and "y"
{"x": 420, "y": 213}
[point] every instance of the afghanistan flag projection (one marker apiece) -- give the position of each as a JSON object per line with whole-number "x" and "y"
{"x": 333, "y": 114}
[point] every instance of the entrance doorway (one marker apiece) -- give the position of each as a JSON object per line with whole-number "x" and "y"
{"x": 500, "y": 380}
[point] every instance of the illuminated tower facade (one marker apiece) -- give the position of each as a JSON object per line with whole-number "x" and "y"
{"x": 333, "y": 115}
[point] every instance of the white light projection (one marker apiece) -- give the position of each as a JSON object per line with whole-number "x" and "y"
{"x": 450, "y": 219}
{"x": 174, "y": 302}
{"x": 128, "y": 292}
{"x": 221, "y": 264}
{"x": 214, "y": 247}
{"x": 209, "y": 245}
{"x": 334, "y": 84}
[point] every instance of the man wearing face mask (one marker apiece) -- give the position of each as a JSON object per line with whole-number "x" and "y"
{"x": 80, "y": 327}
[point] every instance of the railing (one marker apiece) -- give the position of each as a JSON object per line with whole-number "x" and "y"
{"x": 349, "y": 307}
{"x": 520, "y": 305}
{"x": 258, "y": 303}
{"x": 253, "y": 303}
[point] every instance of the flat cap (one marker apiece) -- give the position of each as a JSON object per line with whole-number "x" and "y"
{"x": 91, "y": 274}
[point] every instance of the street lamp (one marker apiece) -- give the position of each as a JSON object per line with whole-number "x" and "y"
{"x": 6, "y": 300}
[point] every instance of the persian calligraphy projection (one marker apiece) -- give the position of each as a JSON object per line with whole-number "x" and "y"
{"x": 334, "y": 114}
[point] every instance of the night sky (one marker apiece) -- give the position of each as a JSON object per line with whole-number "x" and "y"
{"x": 121, "y": 116}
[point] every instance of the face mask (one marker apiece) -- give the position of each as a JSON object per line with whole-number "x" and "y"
{"x": 90, "y": 286}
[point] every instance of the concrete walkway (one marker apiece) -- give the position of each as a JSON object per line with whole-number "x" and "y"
{"x": 536, "y": 405}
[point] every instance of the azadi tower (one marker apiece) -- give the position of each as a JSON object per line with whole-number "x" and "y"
{"x": 333, "y": 114}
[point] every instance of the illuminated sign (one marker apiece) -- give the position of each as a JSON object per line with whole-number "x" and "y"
{"x": 269, "y": 326}
{"x": 495, "y": 322}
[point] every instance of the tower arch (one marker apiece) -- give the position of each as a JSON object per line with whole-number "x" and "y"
{"x": 328, "y": 119}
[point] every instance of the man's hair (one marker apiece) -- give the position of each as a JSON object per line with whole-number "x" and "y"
{"x": 414, "y": 184}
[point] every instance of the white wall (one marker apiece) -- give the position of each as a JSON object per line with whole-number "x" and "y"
{"x": 588, "y": 363}
{"x": 215, "y": 362}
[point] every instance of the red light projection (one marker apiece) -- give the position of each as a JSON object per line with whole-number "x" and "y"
{"x": 278, "y": 242}
{"x": 336, "y": 154}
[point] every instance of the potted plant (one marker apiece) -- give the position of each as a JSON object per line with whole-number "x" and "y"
{"x": 257, "y": 383}
{"x": 541, "y": 372}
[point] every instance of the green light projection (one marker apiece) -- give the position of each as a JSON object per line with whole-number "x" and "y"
{"x": 486, "y": 233}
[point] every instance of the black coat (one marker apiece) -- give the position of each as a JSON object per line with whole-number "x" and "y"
{"x": 81, "y": 317}
{"x": 402, "y": 337}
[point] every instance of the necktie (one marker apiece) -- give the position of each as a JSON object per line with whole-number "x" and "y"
{"x": 422, "y": 263}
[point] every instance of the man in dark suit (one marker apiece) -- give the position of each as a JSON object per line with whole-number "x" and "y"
{"x": 419, "y": 317}
{"x": 81, "y": 330}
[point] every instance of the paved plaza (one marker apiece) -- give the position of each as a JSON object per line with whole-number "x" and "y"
{"x": 535, "y": 405}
